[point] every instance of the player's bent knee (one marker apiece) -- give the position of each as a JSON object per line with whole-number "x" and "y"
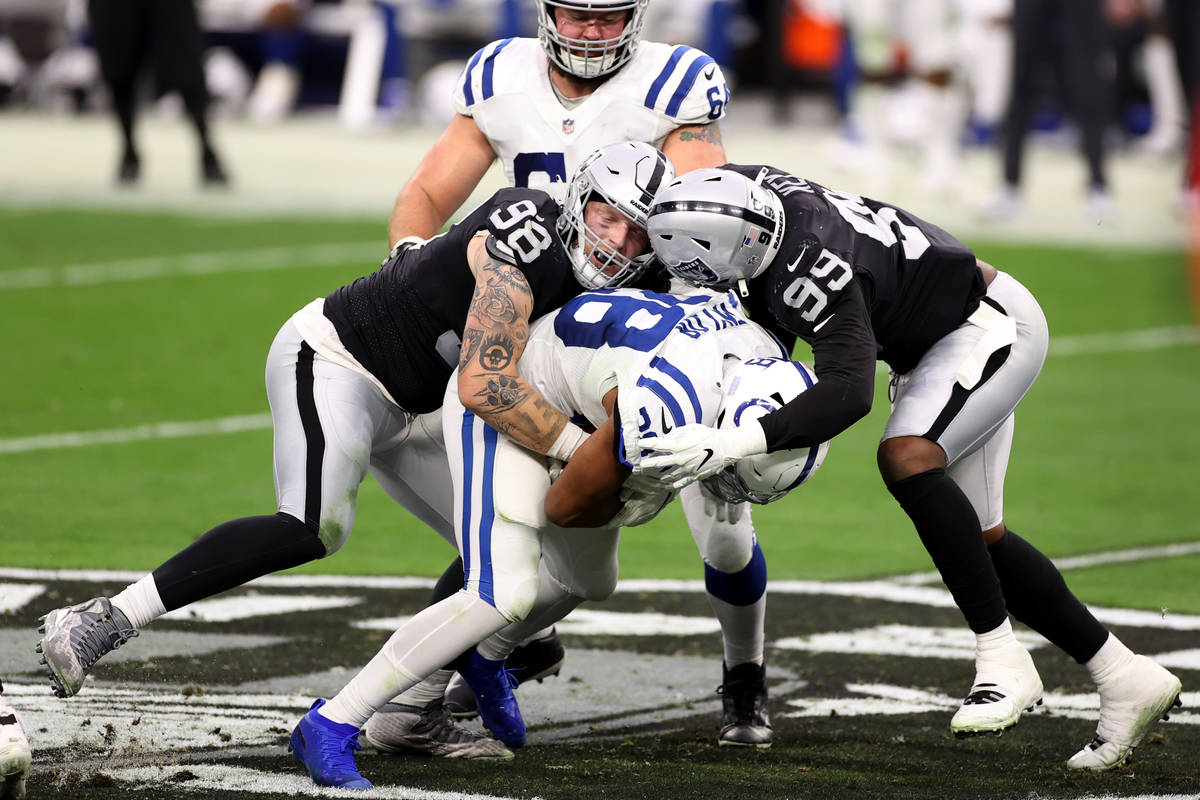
{"x": 334, "y": 531}
{"x": 515, "y": 599}
{"x": 905, "y": 456}
{"x": 729, "y": 548}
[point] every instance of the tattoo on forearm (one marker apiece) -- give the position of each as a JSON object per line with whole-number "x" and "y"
{"x": 709, "y": 134}
{"x": 503, "y": 393}
{"x": 496, "y": 353}
{"x": 470, "y": 345}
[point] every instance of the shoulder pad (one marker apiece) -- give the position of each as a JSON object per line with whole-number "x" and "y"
{"x": 688, "y": 85}
{"x": 500, "y": 66}
{"x": 514, "y": 209}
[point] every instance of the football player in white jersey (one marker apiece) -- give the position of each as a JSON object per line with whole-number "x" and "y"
{"x": 540, "y": 105}
{"x": 348, "y": 374}
{"x": 632, "y": 364}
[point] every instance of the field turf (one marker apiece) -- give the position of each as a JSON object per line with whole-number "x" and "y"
{"x": 115, "y": 321}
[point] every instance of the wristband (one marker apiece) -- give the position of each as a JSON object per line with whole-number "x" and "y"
{"x": 567, "y": 442}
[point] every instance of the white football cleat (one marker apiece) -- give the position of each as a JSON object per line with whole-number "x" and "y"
{"x": 15, "y": 756}
{"x": 1138, "y": 695}
{"x": 1006, "y": 683}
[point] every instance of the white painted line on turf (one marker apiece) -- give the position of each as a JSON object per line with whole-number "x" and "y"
{"x": 936, "y": 597}
{"x": 1081, "y": 562}
{"x": 227, "y": 609}
{"x": 899, "y": 640}
{"x": 887, "y": 699}
{"x": 1183, "y": 659}
{"x": 255, "y": 260}
{"x": 15, "y": 596}
{"x": 587, "y": 622}
{"x": 140, "y": 433}
{"x": 215, "y": 777}
{"x": 1148, "y": 339}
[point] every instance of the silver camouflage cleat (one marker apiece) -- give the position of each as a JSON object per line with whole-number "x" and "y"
{"x": 76, "y": 637}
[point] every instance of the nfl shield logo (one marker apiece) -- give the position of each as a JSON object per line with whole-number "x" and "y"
{"x": 568, "y": 126}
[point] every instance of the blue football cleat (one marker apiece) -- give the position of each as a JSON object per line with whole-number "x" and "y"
{"x": 493, "y": 687}
{"x": 326, "y": 749}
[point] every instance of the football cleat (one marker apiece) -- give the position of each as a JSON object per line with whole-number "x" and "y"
{"x": 1134, "y": 698}
{"x": 533, "y": 660}
{"x": 1006, "y": 683}
{"x": 326, "y": 749}
{"x": 15, "y": 756}
{"x": 492, "y": 685}
{"x": 75, "y": 637}
{"x": 744, "y": 698}
{"x": 398, "y": 728}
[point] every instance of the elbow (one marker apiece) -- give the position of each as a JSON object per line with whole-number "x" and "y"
{"x": 858, "y": 404}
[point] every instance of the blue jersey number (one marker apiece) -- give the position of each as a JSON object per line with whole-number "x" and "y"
{"x": 553, "y": 165}
{"x": 620, "y": 320}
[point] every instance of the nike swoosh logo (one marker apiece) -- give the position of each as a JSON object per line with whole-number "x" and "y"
{"x": 667, "y": 427}
{"x": 708, "y": 73}
{"x": 821, "y": 324}
{"x": 708, "y": 454}
{"x": 792, "y": 266}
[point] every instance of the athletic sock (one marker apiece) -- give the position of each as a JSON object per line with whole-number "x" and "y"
{"x": 430, "y": 690}
{"x": 234, "y": 553}
{"x": 1037, "y": 595}
{"x": 950, "y": 531}
{"x": 739, "y": 601}
{"x": 140, "y": 602}
{"x": 417, "y": 649}
{"x": 1111, "y": 657}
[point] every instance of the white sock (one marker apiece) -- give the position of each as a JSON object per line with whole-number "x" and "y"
{"x": 1110, "y": 658}
{"x": 741, "y": 629}
{"x": 998, "y": 638}
{"x": 423, "y": 645}
{"x": 427, "y": 691}
{"x": 1162, "y": 80}
{"x": 140, "y": 602}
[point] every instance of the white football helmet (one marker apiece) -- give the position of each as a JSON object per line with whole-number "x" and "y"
{"x": 625, "y": 176}
{"x": 715, "y": 227}
{"x": 754, "y": 388}
{"x": 586, "y": 58}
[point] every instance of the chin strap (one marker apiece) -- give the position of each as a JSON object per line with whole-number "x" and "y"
{"x": 743, "y": 288}
{"x": 762, "y": 173}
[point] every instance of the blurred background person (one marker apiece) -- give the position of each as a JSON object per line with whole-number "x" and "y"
{"x": 1070, "y": 39}
{"x": 129, "y": 34}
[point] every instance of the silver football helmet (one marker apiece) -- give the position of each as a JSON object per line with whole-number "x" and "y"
{"x": 586, "y": 58}
{"x": 715, "y": 227}
{"x": 625, "y": 176}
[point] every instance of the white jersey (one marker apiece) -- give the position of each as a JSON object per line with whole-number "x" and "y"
{"x": 664, "y": 354}
{"x": 506, "y": 88}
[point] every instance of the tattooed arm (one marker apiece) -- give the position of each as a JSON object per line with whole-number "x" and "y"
{"x": 694, "y": 146}
{"x": 494, "y": 338}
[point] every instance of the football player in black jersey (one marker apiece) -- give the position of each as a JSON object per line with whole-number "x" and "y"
{"x": 860, "y": 280}
{"x": 347, "y": 374}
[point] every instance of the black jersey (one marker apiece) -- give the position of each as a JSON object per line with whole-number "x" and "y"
{"x": 404, "y": 322}
{"x": 858, "y": 280}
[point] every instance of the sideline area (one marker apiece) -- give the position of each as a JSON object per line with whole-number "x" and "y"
{"x": 311, "y": 165}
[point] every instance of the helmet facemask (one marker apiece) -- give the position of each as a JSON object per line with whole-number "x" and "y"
{"x": 625, "y": 177}
{"x": 588, "y": 58}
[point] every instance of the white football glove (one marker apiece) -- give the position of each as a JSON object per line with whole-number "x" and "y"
{"x": 692, "y": 452}
{"x": 640, "y": 505}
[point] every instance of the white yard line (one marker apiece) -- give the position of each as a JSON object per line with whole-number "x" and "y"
{"x": 935, "y": 597}
{"x": 1147, "y": 339}
{"x": 258, "y": 259}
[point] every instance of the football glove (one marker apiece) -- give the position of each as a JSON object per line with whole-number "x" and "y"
{"x": 692, "y": 452}
{"x": 640, "y": 505}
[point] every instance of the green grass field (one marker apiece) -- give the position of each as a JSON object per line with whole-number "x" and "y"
{"x": 1107, "y": 454}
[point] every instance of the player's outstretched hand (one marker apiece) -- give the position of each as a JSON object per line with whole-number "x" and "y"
{"x": 692, "y": 452}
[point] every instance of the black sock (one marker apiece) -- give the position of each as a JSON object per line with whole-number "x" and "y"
{"x": 232, "y": 554}
{"x": 1038, "y": 596}
{"x": 950, "y": 531}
